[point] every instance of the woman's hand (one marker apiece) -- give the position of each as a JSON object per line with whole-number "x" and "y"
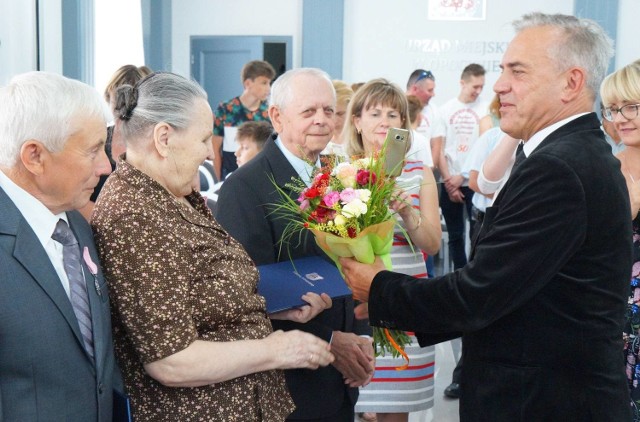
{"x": 401, "y": 202}
{"x": 297, "y": 349}
{"x": 316, "y": 304}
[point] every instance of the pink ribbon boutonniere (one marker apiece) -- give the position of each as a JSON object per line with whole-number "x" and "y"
{"x": 93, "y": 269}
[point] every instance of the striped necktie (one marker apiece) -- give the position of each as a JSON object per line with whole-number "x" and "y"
{"x": 77, "y": 285}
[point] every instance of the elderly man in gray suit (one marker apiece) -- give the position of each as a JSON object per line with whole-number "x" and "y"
{"x": 56, "y": 354}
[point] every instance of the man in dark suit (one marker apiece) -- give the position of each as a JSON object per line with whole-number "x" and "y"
{"x": 56, "y": 358}
{"x": 540, "y": 306}
{"x": 301, "y": 110}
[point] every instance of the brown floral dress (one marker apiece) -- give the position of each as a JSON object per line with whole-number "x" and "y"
{"x": 175, "y": 276}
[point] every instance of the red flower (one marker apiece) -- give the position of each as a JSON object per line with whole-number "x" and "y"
{"x": 351, "y": 231}
{"x": 364, "y": 177}
{"x": 312, "y": 192}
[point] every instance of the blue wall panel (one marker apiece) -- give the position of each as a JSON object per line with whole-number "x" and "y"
{"x": 322, "y": 34}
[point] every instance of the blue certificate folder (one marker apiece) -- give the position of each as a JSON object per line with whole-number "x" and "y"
{"x": 121, "y": 407}
{"x": 284, "y": 283}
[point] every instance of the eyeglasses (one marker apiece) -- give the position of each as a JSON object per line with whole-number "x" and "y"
{"x": 629, "y": 112}
{"x": 425, "y": 74}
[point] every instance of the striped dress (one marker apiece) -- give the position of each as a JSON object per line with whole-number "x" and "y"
{"x": 410, "y": 390}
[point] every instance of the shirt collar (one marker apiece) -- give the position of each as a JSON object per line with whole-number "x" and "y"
{"x": 541, "y": 135}
{"x": 302, "y": 167}
{"x": 38, "y": 216}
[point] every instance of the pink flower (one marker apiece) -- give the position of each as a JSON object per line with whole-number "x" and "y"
{"x": 93, "y": 268}
{"x": 346, "y": 173}
{"x": 304, "y": 204}
{"x": 348, "y": 195}
{"x": 331, "y": 198}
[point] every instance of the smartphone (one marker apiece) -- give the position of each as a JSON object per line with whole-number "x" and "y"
{"x": 396, "y": 145}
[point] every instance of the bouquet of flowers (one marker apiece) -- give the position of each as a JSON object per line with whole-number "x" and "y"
{"x": 347, "y": 209}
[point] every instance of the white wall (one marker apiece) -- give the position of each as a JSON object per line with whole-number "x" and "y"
{"x": 381, "y": 37}
{"x": 235, "y": 17}
{"x": 17, "y": 38}
{"x": 51, "y": 35}
{"x": 627, "y": 49}
{"x": 384, "y": 39}
{"x": 109, "y": 54}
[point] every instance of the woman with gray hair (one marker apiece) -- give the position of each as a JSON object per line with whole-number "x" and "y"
{"x": 191, "y": 333}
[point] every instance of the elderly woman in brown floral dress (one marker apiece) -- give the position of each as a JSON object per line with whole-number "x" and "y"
{"x": 191, "y": 333}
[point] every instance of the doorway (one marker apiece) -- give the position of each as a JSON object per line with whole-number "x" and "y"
{"x": 216, "y": 61}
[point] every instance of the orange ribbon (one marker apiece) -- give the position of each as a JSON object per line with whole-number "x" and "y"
{"x": 398, "y": 349}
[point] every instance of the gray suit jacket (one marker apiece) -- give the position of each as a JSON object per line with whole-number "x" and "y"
{"x": 45, "y": 372}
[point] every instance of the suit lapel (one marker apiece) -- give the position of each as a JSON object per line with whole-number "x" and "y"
{"x": 586, "y": 122}
{"x": 28, "y": 251}
{"x": 280, "y": 168}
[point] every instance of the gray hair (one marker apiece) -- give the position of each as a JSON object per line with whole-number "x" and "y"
{"x": 160, "y": 97}
{"x": 43, "y": 106}
{"x": 585, "y": 44}
{"x": 281, "y": 92}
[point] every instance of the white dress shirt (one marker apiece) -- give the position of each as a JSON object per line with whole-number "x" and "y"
{"x": 42, "y": 221}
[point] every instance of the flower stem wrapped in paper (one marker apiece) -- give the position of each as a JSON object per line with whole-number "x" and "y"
{"x": 347, "y": 209}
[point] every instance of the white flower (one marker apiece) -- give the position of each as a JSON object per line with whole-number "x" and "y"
{"x": 354, "y": 208}
{"x": 365, "y": 163}
{"x": 339, "y": 220}
{"x": 364, "y": 195}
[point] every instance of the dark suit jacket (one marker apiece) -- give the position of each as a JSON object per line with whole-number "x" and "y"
{"x": 45, "y": 372}
{"x": 244, "y": 210}
{"x": 541, "y": 303}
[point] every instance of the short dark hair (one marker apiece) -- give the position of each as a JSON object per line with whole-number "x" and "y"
{"x": 258, "y": 132}
{"x": 473, "y": 69}
{"x": 257, "y": 68}
{"x": 419, "y": 74}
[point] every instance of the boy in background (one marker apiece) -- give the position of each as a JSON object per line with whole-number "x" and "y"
{"x": 251, "y": 105}
{"x": 251, "y": 138}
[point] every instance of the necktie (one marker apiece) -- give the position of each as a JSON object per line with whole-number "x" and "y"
{"x": 519, "y": 155}
{"x": 77, "y": 286}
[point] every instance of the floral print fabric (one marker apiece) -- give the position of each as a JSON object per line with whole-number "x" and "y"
{"x": 631, "y": 332}
{"x": 175, "y": 277}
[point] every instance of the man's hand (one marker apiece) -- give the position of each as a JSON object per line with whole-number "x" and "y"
{"x": 456, "y": 196}
{"x": 362, "y": 311}
{"x": 360, "y": 276}
{"x": 316, "y": 304}
{"x": 453, "y": 182}
{"x": 354, "y": 358}
{"x": 367, "y": 349}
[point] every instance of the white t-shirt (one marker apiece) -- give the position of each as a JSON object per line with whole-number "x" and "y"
{"x": 462, "y": 122}
{"x": 478, "y": 154}
{"x": 432, "y": 124}
{"x": 420, "y": 149}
